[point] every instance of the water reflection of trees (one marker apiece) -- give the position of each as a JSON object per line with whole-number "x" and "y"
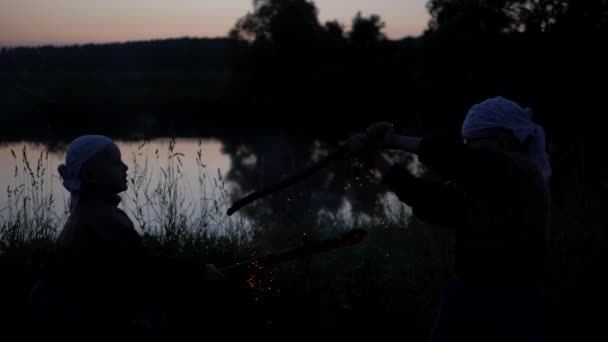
{"x": 348, "y": 190}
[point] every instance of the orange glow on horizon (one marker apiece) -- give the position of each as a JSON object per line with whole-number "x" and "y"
{"x": 63, "y": 22}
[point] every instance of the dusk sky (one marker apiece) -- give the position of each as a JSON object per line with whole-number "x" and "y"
{"x": 36, "y": 22}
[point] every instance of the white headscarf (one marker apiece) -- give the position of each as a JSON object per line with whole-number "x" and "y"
{"x": 499, "y": 112}
{"x": 79, "y": 151}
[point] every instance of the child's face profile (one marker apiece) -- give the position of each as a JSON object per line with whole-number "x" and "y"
{"x": 106, "y": 170}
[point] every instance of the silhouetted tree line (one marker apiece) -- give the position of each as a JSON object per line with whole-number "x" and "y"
{"x": 158, "y": 55}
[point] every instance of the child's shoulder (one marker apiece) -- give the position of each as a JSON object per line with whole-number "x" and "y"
{"x": 106, "y": 215}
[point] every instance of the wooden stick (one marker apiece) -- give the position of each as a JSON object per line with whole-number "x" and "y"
{"x": 337, "y": 154}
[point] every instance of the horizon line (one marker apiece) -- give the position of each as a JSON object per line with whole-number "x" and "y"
{"x": 109, "y": 42}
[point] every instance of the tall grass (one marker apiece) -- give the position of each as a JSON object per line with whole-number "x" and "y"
{"x": 29, "y": 213}
{"x": 156, "y": 200}
{"x": 342, "y": 283}
{"x": 168, "y": 217}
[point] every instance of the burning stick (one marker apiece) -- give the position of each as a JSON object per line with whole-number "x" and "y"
{"x": 348, "y": 239}
{"x": 339, "y": 153}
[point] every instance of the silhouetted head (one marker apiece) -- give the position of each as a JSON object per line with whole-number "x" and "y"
{"x": 501, "y": 124}
{"x": 105, "y": 171}
{"x": 93, "y": 163}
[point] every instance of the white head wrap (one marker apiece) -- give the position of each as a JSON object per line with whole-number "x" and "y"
{"x": 80, "y": 150}
{"x": 499, "y": 112}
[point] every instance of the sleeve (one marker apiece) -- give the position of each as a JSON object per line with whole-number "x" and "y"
{"x": 480, "y": 171}
{"x": 434, "y": 202}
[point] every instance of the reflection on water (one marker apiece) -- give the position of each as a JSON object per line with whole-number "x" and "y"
{"x": 190, "y": 183}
